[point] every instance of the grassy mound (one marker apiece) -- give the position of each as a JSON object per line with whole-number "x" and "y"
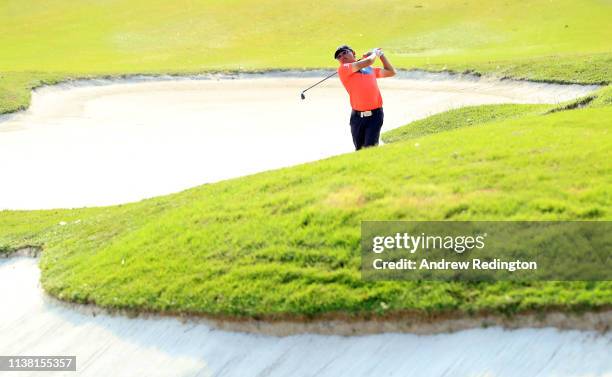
{"x": 292, "y": 247}
{"x": 462, "y": 117}
{"x": 484, "y": 114}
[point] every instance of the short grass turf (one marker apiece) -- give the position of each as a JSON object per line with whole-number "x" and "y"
{"x": 485, "y": 114}
{"x": 153, "y": 35}
{"x": 552, "y": 40}
{"x": 462, "y": 117}
{"x": 292, "y": 247}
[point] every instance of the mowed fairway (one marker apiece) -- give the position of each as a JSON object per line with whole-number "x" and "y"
{"x": 50, "y": 41}
{"x": 155, "y": 36}
{"x": 286, "y": 242}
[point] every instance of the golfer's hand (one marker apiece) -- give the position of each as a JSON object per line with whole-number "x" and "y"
{"x": 372, "y": 54}
{"x": 378, "y": 51}
{"x": 367, "y": 54}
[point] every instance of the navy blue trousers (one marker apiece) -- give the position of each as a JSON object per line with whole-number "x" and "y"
{"x": 366, "y": 130}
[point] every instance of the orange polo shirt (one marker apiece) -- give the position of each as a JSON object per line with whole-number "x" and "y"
{"x": 361, "y": 86}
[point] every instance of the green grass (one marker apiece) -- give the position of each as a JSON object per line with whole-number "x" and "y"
{"x": 484, "y": 114}
{"x": 566, "y": 41}
{"x": 587, "y": 69}
{"x": 603, "y": 97}
{"x": 136, "y": 36}
{"x": 293, "y": 247}
{"x": 15, "y": 88}
{"x": 462, "y": 117}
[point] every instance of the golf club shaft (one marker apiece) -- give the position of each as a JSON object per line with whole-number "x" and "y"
{"x": 310, "y": 87}
{"x": 333, "y": 74}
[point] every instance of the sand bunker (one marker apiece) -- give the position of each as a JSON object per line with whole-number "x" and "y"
{"x": 104, "y": 142}
{"x": 119, "y": 346}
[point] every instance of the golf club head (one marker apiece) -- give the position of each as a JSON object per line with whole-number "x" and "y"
{"x": 302, "y": 95}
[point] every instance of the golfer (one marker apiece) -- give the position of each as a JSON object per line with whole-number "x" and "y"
{"x": 359, "y": 80}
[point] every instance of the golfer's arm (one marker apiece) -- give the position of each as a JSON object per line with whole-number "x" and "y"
{"x": 365, "y": 62}
{"x": 388, "y": 70}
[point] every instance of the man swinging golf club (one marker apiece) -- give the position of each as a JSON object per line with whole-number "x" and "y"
{"x": 359, "y": 80}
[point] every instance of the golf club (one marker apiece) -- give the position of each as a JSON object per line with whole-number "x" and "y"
{"x": 303, "y": 91}
{"x": 335, "y": 73}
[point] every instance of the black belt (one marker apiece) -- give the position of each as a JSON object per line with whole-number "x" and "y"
{"x": 367, "y": 113}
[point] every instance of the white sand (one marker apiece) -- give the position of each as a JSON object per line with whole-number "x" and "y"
{"x": 32, "y": 324}
{"x": 98, "y": 143}
{"x": 109, "y": 142}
